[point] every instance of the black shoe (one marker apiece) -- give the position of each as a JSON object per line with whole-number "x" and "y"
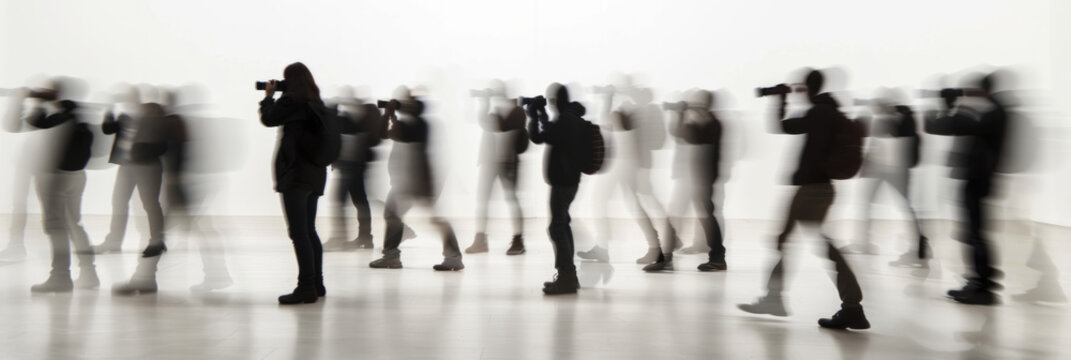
{"x": 848, "y": 318}
{"x": 713, "y": 266}
{"x": 596, "y": 253}
{"x": 650, "y": 257}
{"x": 973, "y": 294}
{"x": 393, "y": 262}
{"x": 54, "y": 284}
{"x": 154, "y": 250}
{"x": 567, "y": 284}
{"x": 661, "y": 265}
{"x": 450, "y": 264}
{"x": 517, "y": 247}
{"x": 321, "y": 291}
{"x": 301, "y": 295}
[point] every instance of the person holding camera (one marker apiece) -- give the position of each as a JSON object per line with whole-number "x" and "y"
{"x": 300, "y": 170}
{"x": 504, "y": 138}
{"x": 61, "y": 182}
{"x": 983, "y": 140}
{"x": 411, "y": 182}
{"x": 821, "y": 124}
{"x": 700, "y": 128}
{"x": 567, "y": 137}
{"x": 362, "y": 127}
{"x": 137, "y": 148}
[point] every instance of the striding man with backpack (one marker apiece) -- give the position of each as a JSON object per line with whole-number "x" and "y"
{"x": 832, "y": 150}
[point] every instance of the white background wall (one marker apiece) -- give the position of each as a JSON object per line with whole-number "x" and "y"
{"x": 453, "y": 46}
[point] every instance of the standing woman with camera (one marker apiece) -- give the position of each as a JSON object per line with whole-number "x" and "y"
{"x": 299, "y": 175}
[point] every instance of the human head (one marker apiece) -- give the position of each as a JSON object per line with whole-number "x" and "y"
{"x": 558, "y": 96}
{"x": 814, "y": 82}
{"x": 300, "y": 84}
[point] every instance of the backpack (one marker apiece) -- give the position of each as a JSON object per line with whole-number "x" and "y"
{"x": 595, "y": 152}
{"x": 845, "y": 155}
{"x": 323, "y": 140}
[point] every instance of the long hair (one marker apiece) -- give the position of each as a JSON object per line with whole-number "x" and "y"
{"x": 300, "y": 84}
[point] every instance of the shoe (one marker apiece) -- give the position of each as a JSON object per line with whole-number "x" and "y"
{"x": 1042, "y": 294}
{"x": 650, "y": 257}
{"x": 765, "y": 305}
{"x": 87, "y": 279}
{"x": 301, "y": 295}
{"x": 847, "y": 318}
{"x": 713, "y": 266}
{"x": 450, "y": 264}
{"x": 212, "y": 284}
{"x": 567, "y": 284}
{"x": 695, "y": 249}
{"x": 107, "y": 247}
{"x": 54, "y": 284}
{"x": 321, "y": 291}
{"x": 596, "y": 253}
{"x": 13, "y": 253}
{"x": 335, "y": 244}
{"x": 973, "y": 294}
{"x": 392, "y": 262}
{"x": 154, "y": 250}
{"x": 517, "y": 246}
{"x": 479, "y": 245}
{"x": 362, "y": 242}
{"x": 135, "y": 287}
{"x": 664, "y": 265}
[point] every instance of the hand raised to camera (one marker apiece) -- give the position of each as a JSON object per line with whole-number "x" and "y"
{"x": 269, "y": 89}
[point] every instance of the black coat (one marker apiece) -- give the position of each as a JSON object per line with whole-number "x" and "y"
{"x": 292, "y": 170}
{"x": 568, "y": 137}
{"x": 819, "y": 125}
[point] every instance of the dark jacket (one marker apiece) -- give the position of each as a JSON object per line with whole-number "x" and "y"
{"x": 707, "y": 136}
{"x": 77, "y": 139}
{"x": 567, "y": 136}
{"x": 361, "y": 133}
{"x": 292, "y": 170}
{"x": 137, "y": 141}
{"x": 982, "y": 142}
{"x": 818, "y": 124}
{"x": 409, "y": 166}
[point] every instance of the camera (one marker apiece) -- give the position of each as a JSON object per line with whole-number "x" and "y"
{"x": 674, "y": 106}
{"x": 279, "y": 85}
{"x": 480, "y": 93}
{"x": 389, "y": 104}
{"x": 538, "y": 101}
{"x": 43, "y": 94}
{"x": 779, "y": 89}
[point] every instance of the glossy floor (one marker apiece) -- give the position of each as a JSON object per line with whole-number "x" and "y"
{"x": 494, "y": 308}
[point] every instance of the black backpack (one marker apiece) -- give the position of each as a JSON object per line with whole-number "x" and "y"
{"x": 845, "y": 155}
{"x": 595, "y": 151}
{"x": 323, "y": 139}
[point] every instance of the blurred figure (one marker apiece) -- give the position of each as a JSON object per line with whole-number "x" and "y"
{"x": 137, "y": 149}
{"x": 981, "y": 141}
{"x": 411, "y": 182}
{"x": 570, "y": 151}
{"x": 308, "y": 143}
{"x": 362, "y": 127}
{"x": 822, "y": 124}
{"x": 637, "y": 129}
{"x": 892, "y": 150}
{"x": 25, "y": 169}
{"x": 504, "y": 138}
{"x": 60, "y": 189}
{"x": 698, "y": 126}
{"x": 186, "y": 185}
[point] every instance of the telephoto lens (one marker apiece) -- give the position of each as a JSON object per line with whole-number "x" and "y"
{"x": 279, "y": 85}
